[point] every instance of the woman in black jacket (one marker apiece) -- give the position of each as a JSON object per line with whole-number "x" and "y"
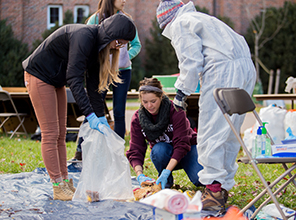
{"x": 71, "y": 55}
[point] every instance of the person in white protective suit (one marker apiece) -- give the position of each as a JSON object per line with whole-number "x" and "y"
{"x": 210, "y": 51}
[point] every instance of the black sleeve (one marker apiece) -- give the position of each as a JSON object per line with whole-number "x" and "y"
{"x": 81, "y": 53}
{"x": 92, "y": 82}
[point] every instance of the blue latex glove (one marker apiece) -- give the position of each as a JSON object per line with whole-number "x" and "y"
{"x": 94, "y": 121}
{"x": 179, "y": 101}
{"x": 163, "y": 178}
{"x": 291, "y": 135}
{"x": 142, "y": 178}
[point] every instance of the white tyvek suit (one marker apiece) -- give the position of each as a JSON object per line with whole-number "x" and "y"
{"x": 208, "y": 49}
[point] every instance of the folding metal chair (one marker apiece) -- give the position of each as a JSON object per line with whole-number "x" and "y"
{"x": 238, "y": 101}
{"x": 9, "y": 110}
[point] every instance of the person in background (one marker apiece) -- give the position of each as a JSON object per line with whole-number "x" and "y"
{"x": 68, "y": 56}
{"x": 172, "y": 140}
{"x": 210, "y": 51}
{"x": 107, "y": 8}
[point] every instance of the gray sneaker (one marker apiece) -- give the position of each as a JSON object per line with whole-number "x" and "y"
{"x": 214, "y": 201}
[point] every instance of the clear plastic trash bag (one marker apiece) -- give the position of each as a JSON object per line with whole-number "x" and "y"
{"x": 105, "y": 169}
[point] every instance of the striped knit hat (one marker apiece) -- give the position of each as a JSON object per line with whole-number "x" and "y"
{"x": 166, "y": 11}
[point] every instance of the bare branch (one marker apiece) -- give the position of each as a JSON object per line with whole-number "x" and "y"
{"x": 278, "y": 28}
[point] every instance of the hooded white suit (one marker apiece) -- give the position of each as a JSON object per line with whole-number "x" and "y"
{"x": 210, "y": 51}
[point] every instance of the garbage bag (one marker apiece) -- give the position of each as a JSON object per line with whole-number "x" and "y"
{"x": 290, "y": 121}
{"x": 271, "y": 212}
{"x": 105, "y": 169}
{"x": 274, "y": 116}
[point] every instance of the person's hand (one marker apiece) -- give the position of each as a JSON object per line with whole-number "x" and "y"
{"x": 94, "y": 121}
{"x": 142, "y": 178}
{"x": 179, "y": 101}
{"x": 163, "y": 178}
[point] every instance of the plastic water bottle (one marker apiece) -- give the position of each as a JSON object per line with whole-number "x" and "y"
{"x": 258, "y": 142}
{"x": 266, "y": 143}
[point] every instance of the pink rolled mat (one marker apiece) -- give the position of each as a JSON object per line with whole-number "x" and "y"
{"x": 176, "y": 203}
{"x": 168, "y": 199}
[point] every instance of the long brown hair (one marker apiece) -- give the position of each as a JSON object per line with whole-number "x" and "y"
{"x": 109, "y": 74}
{"x": 105, "y": 10}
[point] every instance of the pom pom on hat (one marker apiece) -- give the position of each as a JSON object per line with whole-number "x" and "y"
{"x": 166, "y": 11}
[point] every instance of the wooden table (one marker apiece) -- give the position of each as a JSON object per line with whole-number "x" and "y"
{"x": 20, "y": 94}
{"x": 290, "y": 97}
{"x": 135, "y": 95}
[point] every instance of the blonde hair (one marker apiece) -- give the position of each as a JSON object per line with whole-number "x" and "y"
{"x": 109, "y": 73}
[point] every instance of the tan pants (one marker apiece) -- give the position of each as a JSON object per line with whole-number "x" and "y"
{"x": 50, "y": 105}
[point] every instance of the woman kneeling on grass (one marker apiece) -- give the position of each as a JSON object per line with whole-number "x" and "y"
{"x": 172, "y": 140}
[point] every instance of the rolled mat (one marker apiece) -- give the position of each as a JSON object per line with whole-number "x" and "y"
{"x": 168, "y": 199}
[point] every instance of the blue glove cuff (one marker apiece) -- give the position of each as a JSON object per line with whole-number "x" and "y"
{"x": 91, "y": 116}
{"x": 166, "y": 172}
{"x": 141, "y": 175}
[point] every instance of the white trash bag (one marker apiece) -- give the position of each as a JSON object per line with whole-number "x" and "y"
{"x": 275, "y": 117}
{"x": 105, "y": 172}
{"x": 290, "y": 121}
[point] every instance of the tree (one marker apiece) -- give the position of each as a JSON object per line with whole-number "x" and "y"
{"x": 161, "y": 58}
{"x": 275, "y": 45}
{"x": 137, "y": 73}
{"x": 12, "y": 53}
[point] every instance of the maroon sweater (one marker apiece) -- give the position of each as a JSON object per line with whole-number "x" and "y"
{"x": 179, "y": 134}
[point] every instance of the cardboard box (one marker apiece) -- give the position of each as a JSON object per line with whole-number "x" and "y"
{"x": 283, "y": 150}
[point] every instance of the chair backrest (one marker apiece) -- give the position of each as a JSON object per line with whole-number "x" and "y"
{"x": 233, "y": 100}
{"x": 4, "y": 96}
{"x": 70, "y": 97}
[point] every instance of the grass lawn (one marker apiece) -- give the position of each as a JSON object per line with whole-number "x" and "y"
{"x": 24, "y": 155}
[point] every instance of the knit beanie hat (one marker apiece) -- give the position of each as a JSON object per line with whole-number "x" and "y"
{"x": 166, "y": 11}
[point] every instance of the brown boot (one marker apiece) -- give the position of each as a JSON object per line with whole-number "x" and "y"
{"x": 78, "y": 155}
{"x": 71, "y": 185}
{"x": 225, "y": 195}
{"x": 62, "y": 192}
{"x": 214, "y": 201}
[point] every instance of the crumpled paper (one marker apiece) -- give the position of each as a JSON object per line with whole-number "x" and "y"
{"x": 291, "y": 84}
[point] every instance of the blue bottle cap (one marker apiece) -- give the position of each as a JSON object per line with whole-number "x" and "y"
{"x": 259, "y": 131}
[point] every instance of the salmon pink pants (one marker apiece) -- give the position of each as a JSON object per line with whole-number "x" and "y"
{"x": 50, "y": 106}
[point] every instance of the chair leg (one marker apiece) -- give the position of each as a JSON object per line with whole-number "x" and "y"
{"x": 253, "y": 162}
{"x": 275, "y": 193}
{"x": 286, "y": 168}
{"x": 15, "y": 130}
{"x": 2, "y": 125}
{"x": 271, "y": 186}
{"x": 269, "y": 190}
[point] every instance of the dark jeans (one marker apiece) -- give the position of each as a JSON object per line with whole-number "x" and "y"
{"x": 119, "y": 102}
{"x": 161, "y": 154}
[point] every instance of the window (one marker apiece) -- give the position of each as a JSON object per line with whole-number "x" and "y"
{"x": 80, "y": 12}
{"x": 54, "y": 14}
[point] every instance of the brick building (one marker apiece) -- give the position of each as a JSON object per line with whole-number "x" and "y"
{"x": 29, "y": 19}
